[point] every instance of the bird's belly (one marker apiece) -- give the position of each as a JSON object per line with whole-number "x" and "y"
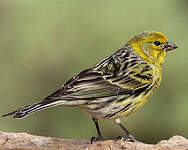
{"x": 139, "y": 101}
{"x": 115, "y": 109}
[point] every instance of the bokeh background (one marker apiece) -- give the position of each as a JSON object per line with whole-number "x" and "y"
{"x": 44, "y": 43}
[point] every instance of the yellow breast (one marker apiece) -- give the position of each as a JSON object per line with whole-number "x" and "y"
{"x": 142, "y": 98}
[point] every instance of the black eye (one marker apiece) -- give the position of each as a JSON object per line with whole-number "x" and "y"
{"x": 157, "y": 43}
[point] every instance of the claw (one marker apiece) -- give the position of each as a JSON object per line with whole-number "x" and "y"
{"x": 95, "y": 139}
{"x": 125, "y": 139}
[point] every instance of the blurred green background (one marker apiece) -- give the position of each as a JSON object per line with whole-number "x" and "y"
{"x": 44, "y": 43}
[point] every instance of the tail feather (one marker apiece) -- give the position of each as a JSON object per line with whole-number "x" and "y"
{"x": 23, "y": 112}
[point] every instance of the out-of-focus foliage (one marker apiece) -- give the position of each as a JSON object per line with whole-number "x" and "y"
{"x": 43, "y": 43}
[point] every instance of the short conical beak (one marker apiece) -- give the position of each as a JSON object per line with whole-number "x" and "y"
{"x": 169, "y": 46}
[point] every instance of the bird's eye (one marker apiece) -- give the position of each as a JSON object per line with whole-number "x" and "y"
{"x": 157, "y": 43}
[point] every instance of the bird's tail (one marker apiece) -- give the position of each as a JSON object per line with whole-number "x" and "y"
{"x": 23, "y": 112}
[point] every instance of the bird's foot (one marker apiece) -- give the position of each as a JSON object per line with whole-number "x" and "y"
{"x": 95, "y": 139}
{"x": 129, "y": 139}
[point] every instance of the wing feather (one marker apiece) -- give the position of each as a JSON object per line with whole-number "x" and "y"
{"x": 123, "y": 73}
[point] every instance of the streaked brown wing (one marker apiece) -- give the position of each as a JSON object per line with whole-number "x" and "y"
{"x": 88, "y": 85}
{"x": 123, "y": 73}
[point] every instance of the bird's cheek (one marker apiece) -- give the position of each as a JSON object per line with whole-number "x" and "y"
{"x": 146, "y": 48}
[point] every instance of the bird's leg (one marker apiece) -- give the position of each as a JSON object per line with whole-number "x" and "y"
{"x": 130, "y": 136}
{"x": 100, "y": 137}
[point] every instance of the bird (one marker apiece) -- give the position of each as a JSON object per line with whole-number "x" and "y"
{"x": 114, "y": 87}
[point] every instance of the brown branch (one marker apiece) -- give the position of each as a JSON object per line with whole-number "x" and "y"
{"x": 24, "y": 141}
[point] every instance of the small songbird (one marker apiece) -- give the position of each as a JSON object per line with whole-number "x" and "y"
{"x": 116, "y": 86}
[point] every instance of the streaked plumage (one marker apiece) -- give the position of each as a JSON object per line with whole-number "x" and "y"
{"x": 115, "y": 87}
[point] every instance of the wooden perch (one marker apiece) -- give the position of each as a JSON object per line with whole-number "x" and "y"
{"x": 24, "y": 141}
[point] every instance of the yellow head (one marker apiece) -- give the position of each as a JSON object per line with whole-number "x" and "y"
{"x": 151, "y": 46}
